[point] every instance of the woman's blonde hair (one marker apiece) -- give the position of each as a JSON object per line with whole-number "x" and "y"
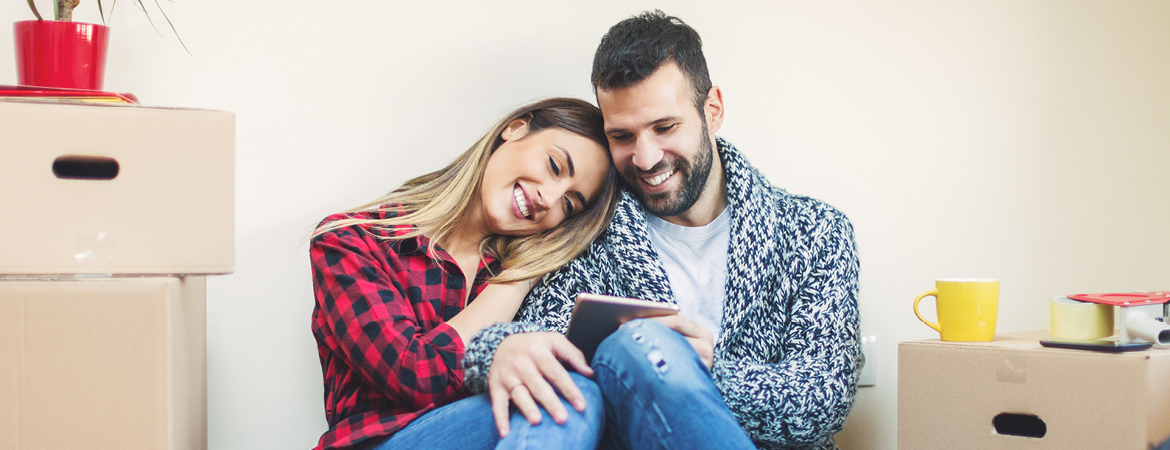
{"x": 441, "y": 200}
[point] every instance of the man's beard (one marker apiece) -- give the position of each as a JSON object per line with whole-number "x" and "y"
{"x": 694, "y": 178}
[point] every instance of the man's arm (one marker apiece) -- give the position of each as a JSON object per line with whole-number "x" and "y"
{"x": 803, "y": 400}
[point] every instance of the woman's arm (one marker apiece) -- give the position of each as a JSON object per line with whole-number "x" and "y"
{"x": 547, "y": 309}
{"x": 496, "y": 303}
{"x": 364, "y": 317}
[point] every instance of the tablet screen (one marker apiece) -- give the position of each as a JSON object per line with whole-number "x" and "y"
{"x": 595, "y": 317}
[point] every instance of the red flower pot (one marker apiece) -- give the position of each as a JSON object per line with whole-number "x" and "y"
{"x": 61, "y": 54}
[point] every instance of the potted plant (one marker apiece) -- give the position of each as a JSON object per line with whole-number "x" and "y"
{"x": 62, "y": 53}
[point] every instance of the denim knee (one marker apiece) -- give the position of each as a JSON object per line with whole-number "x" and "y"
{"x": 649, "y": 348}
{"x": 658, "y": 393}
{"x": 594, "y": 415}
{"x": 590, "y": 391}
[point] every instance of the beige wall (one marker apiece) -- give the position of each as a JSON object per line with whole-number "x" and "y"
{"x": 1024, "y": 140}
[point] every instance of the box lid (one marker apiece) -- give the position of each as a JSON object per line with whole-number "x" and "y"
{"x": 1030, "y": 341}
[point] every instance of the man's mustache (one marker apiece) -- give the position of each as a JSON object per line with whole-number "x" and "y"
{"x": 678, "y": 164}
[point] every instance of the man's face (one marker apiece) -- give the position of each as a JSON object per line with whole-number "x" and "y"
{"x": 660, "y": 142}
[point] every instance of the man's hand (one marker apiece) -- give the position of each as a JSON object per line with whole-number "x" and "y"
{"x": 699, "y": 338}
{"x": 522, "y": 369}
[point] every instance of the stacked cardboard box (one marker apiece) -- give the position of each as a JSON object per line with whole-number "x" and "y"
{"x": 1011, "y": 393}
{"x": 112, "y": 218}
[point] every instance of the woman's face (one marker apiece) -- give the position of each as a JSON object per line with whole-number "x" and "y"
{"x": 534, "y": 181}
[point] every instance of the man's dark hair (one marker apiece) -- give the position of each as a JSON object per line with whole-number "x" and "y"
{"x": 634, "y": 48}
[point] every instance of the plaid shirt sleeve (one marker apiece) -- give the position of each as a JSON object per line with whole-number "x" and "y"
{"x": 371, "y": 320}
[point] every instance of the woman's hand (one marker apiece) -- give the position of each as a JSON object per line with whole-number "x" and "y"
{"x": 522, "y": 369}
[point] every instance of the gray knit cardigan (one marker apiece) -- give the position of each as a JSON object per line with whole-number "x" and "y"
{"x": 787, "y": 360}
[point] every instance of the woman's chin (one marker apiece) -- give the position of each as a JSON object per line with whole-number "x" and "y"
{"x": 522, "y": 232}
{"x": 508, "y": 227}
{"x": 525, "y": 228}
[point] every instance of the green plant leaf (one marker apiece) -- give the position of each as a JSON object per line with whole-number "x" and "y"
{"x": 33, "y": 6}
{"x": 173, "y": 30}
{"x": 142, "y": 7}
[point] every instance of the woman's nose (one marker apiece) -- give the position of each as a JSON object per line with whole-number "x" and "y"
{"x": 547, "y": 194}
{"x": 539, "y": 200}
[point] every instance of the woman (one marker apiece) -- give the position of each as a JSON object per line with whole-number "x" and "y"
{"x": 393, "y": 316}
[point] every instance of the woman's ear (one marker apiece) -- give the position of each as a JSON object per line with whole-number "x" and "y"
{"x": 515, "y": 130}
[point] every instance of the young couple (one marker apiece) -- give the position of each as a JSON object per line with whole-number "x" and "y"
{"x": 417, "y": 291}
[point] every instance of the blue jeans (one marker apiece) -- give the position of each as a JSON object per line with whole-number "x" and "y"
{"x": 659, "y": 395}
{"x": 468, "y": 424}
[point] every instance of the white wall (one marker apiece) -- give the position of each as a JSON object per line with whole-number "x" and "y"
{"x": 1023, "y": 140}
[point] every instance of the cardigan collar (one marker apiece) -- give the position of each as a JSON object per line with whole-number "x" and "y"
{"x": 751, "y": 251}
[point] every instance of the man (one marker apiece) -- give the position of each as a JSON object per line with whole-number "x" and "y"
{"x": 766, "y": 281}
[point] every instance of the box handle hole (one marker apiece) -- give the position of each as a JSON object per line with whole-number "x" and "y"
{"x": 71, "y": 167}
{"x": 1025, "y": 425}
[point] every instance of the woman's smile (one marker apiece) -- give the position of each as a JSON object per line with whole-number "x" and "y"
{"x": 522, "y": 206}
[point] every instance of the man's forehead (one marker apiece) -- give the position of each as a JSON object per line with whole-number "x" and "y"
{"x": 664, "y": 93}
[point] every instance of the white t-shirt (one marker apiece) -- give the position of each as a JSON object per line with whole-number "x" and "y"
{"x": 695, "y": 259}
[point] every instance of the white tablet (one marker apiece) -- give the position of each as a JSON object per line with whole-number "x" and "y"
{"x": 595, "y": 317}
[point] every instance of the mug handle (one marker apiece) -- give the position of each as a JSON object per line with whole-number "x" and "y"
{"x": 930, "y": 293}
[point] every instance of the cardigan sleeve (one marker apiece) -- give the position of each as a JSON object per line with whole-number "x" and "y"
{"x": 802, "y": 400}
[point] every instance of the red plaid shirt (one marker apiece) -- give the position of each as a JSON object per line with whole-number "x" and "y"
{"x": 387, "y": 354}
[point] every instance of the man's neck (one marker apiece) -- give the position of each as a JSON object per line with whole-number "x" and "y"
{"x": 710, "y": 204}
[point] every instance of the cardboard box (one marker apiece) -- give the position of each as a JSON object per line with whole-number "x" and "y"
{"x": 951, "y": 393}
{"x": 117, "y": 364}
{"x": 169, "y": 209}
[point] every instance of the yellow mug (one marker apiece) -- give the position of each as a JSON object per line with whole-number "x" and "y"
{"x": 966, "y": 308}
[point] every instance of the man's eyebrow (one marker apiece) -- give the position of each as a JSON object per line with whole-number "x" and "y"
{"x": 664, "y": 120}
{"x": 656, "y": 122}
{"x": 572, "y": 170}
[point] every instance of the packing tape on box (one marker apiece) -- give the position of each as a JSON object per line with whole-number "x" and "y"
{"x": 1072, "y": 319}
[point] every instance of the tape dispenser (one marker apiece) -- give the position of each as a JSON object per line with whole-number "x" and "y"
{"x": 1143, "y": 316}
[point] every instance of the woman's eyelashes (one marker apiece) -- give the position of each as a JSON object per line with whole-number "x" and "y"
{"x": 555, "y": 168}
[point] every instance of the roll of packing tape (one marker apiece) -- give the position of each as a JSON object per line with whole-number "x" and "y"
{"x": 1072, "y": 319}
